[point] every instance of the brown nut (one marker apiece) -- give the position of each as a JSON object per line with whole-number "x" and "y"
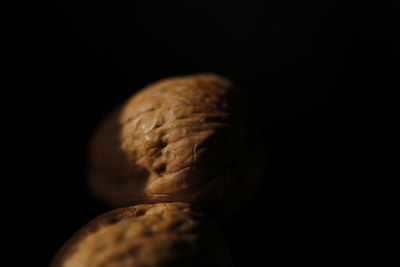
{"x": 165, "y": 234}
{"x": 184, "y": 139}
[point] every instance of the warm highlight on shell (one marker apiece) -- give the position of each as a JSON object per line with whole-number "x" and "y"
{"x": 185, "y": 138}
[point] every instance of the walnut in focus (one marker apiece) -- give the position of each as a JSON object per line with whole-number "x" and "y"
{"x": 185, "y": 138}
{"x": 165, "y": 234}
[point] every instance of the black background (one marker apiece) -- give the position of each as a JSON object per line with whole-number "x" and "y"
{"x": 321, "y": 77}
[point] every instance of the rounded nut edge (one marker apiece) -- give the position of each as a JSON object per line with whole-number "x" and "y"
{"x": 164, "y": 234}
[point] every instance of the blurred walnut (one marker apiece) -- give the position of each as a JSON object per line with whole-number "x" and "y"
{"x": 185, "y": 138}
{"x": 165, "y": 234}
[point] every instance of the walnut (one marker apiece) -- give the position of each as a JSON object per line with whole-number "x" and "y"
{"x": 186, "y": 138}
{"x": 165, "y": 234}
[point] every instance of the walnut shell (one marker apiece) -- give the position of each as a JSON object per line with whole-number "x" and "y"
{"x": 165, "y": 234}
{"x": 186, "y": 138}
